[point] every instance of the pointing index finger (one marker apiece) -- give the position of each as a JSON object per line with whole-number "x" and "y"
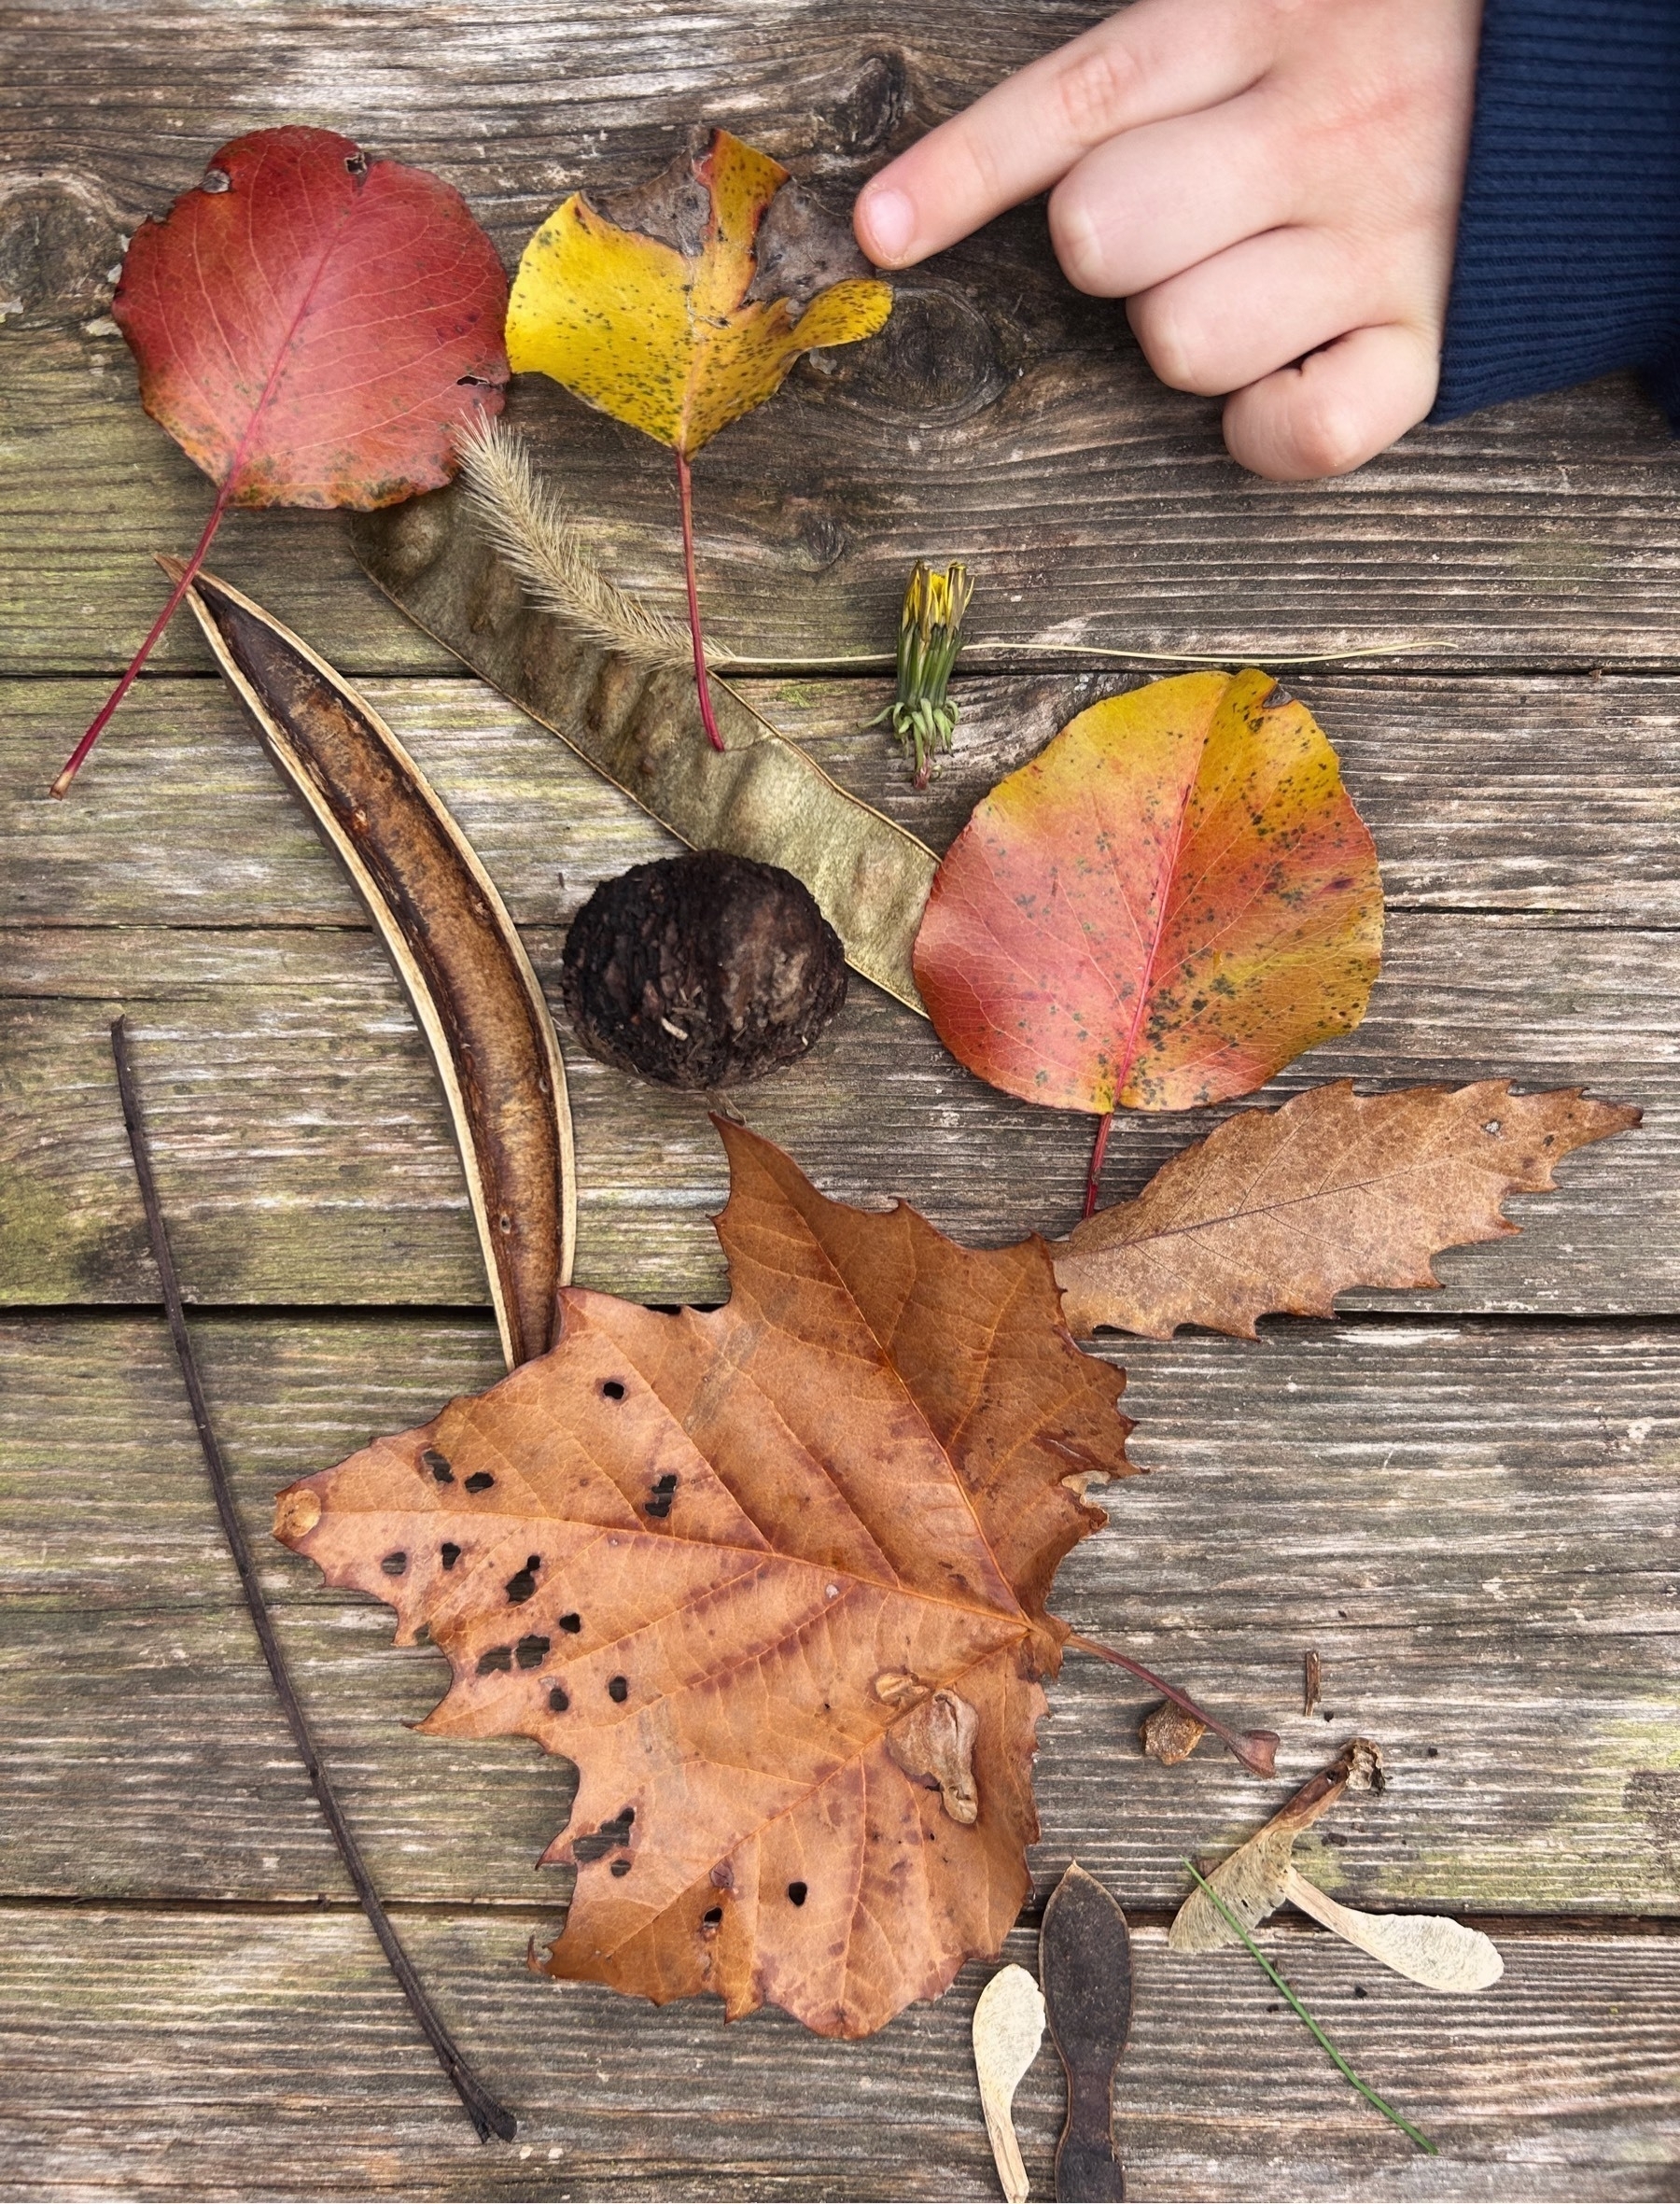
{"x": 1155, "y": 58}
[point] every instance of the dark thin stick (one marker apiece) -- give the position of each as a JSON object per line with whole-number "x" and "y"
{"x": 487, "y": 2117}
{"x": 1256, "y": 1748}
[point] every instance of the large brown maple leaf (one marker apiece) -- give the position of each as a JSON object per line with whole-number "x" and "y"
{"x": 774, "y": 1578}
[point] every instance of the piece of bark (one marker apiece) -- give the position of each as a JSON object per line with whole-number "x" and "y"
{"x": 1168, "y": 1735}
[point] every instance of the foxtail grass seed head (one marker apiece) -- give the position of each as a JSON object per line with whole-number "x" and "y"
{"x": 930, "y": 637}
{"x": 519, "y": 517}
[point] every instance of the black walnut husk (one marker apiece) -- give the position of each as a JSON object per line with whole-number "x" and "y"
{"x": 702, "y": 971}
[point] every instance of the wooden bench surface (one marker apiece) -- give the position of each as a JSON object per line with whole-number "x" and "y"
{"x": 1466, "y": 1501}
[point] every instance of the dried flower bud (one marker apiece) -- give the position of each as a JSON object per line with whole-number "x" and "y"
{"x": 930, "y": 638}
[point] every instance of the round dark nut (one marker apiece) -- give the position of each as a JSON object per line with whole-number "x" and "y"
{"x": 704, "y": 970}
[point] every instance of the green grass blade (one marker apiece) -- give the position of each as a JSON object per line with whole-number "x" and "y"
{"x": 1364, "y": 2089}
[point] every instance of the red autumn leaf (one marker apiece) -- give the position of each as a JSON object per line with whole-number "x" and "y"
{"x": 1166, "y": 906}
{"x": 774, "y": 1578}
{"x": 312, "y": 327}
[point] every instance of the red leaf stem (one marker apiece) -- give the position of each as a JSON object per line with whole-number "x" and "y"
{"x": 73, "y": 763}
{"x": 685, "y": 492}
{"x": 1094, "y": 1175}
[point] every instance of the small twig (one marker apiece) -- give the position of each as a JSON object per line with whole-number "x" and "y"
{"x": 1257, "y": 1750}
{"x": 487, "y": 2117}
{"x": 1296, "y": 2005}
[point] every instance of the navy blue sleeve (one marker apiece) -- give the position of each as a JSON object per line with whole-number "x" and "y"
{"x": 1568, "y": 260}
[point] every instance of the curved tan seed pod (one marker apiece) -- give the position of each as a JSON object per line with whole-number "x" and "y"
{"x": 474, "y": 993}
{"x": 1009, "y": 2027}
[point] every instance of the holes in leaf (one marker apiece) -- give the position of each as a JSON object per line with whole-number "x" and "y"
{"x": 499, "y": 1656}
{"x": 357, "y": 162}
{"x": 449, "y": 1553}
{"x": 618, "y": 1688}
{"x": 611, "y": 1389}
{"x": 216, "y": 179}
{"x": 530, "y": 1652}
{"x": 439, "y": 1465}
{"x": 621, "y": 1867}
{"x": 475, "y": 383}
{"x": 559, "y": 1699}
{"x": 520, "y": 1586}
{"x": 571, "y": 1624}
{"x": 395, "y": 1564}
{"x": 1491, "y": 1127}
{"x": 479, "y": 1482}
{"x": 712, "y": 1918}
{"x": 797, "y": 1893}
{"x": 658, "y": 1503}
{"x": 608, "y": 1838}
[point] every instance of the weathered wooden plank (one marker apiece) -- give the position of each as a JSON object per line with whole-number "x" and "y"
{"x": 1496, "y": 1477}
{"x": 1543, "y": 793}
{"x": 1091, "y": 504}
{"x": 305, "y": 1156}
{"x": 1492, "y": 1589}
{"x": 1012, "y": 415}
{"x": 1533, "y": 1770}
{"x": 273, "y": 2056}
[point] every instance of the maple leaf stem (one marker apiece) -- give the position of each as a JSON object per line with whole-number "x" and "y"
{"x": 1256, "y": 1748}
{"x": 1099, "y": 1149}
{"x": 72, "y": 764}
{"x": 488, "y": 2116}
{"x": 685, "y": 495}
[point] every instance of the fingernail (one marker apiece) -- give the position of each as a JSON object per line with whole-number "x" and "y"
{"x": 888, "y": 220}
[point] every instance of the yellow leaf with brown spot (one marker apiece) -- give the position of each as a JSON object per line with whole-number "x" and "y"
{"x": 682, "y": 304}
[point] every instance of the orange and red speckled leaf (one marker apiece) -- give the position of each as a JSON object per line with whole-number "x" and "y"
{"x": 1170, "y": 903}
{"x": 312, "y": 327}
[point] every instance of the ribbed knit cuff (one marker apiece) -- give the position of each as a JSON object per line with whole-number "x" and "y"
{"x": 1568, "y": 261}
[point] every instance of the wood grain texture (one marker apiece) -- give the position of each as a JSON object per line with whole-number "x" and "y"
{"x": 1493, "y": 1592}
{"x": 273, "y": 2058}
{"x": 1472, "y": 1521}
{"x": 1549, "y": 795}
{"x": 303, "y": 1153}
{"x": 1001, "y": 408}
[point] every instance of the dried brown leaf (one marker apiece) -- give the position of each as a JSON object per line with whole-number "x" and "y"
{"x": 1281, "y": 1210}
{"x": 721, "y": 1561}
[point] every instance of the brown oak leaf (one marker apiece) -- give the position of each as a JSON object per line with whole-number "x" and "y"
{"x": 1281, "y": 1210}
{"x": 720, "y": 1560}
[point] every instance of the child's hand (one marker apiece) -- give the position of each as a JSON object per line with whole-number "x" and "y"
{"x": 1271, "y": 185}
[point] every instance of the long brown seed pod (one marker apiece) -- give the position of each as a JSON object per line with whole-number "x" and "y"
{"x": 474, "y": 993}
